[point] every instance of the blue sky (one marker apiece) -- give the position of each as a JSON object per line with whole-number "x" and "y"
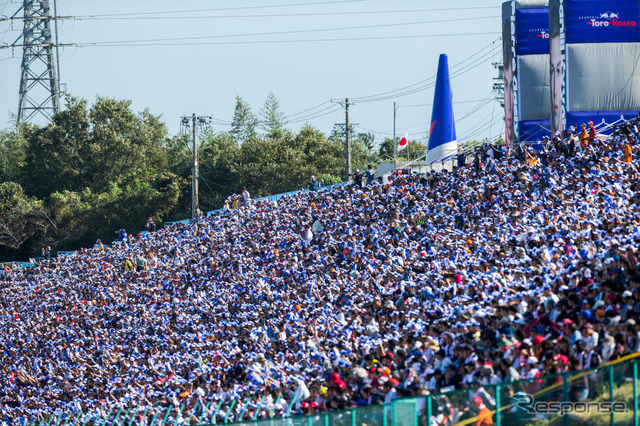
{"x": 176, "y": 58}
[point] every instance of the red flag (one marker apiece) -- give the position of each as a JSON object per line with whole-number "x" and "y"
{"x": 403, "y": 142}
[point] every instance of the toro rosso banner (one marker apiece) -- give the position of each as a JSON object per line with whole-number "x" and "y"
{"x": 532, "y": 31}
{"x": 510, "y": 72}
{"x": 598, "y": 21}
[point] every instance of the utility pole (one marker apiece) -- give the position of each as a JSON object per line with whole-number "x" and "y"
{"x": 194, "y": 123}
{"x": 498, "y": 88}
{"x": 194, "y": 173}
{"x": 395, "y": 145}
{"x": 498, "y": 85}
{"x": 346, "y": 128}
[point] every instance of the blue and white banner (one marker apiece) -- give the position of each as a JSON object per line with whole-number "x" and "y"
{"x": 532, "y": 31}
{"x": 531, "y": 131}
{"x": 510, "y": 72}
{"x": 558, "y": 65}
{"x": 598, "y": 21}
{"x": 599, "y": 117}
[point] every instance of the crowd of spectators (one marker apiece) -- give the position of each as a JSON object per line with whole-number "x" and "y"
{"x": 502, "y": 269}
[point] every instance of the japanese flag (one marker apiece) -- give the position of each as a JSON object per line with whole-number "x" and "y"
{"x": 403, "y": 142}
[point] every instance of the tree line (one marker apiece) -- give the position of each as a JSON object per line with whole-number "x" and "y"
{"x": 98, "y": 168}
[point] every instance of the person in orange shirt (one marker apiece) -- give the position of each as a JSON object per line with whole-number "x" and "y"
{"x": 627, "y": 151}
{"x": 584, "y": 136}
{"x": 530, "y": 155}
{"x": 485, "y": 418}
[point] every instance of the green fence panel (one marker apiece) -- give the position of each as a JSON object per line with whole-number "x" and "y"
{"x": 155, "y": 416}
{"x": 115, "y": 419}
{"x": 498, "y": 406}
{"x": 635, "y": 392}
{"x": 168, "y": 413}
{"x": 600, "y": 396}
{"x": 132, "y": 417}
{"x": 226, "y": 418}
{"x": 405, "y": 412}
{"x": 370, "y": 415}
{"x": 623, "y": 395}
{"x": 215, "y": 413}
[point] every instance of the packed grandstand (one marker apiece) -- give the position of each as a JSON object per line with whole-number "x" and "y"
{"x": 351, "y": 296}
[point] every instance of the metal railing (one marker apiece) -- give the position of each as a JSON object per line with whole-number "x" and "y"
{"x": 604, "y": 395}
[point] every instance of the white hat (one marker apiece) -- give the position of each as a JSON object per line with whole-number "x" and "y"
{"x": 532, "y": 360}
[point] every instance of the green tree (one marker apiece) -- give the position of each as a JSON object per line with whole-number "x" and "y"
{"x": 120, "y": 142}
{"x": 92, "y": 148}
{"x": 102, "y": 168}
{"x": 411, "y": 151}
{"x": 129, "y": 205}
{"x": 69, "y": 212}
{"x": 414, "y": 150}
{"x": 178, "y": 153}
{"x": 323, "y": 157}
{"x": 219, "y": 154}
{"x": 21, "y": 216}
{"x": 362, "y": 150}
{"x": 13, "y": 152}
{"x": 271, "y": 118}
{"x": 362, "y": 153}
{"x": 55, "y": 158}
{"x": 386, "y": 150}
{"x": 270, "y": 165}
{"x": 244, "y": 122}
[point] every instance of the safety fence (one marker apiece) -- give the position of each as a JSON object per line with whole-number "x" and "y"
{"x": 598, "y": 396}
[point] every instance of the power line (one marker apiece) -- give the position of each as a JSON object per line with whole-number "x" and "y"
{"x": 428, "y": 105}
{"x": 318, "y": 114}
{"x": 482, "y": 121}
{"x": 273, "y": 6}
{"x": 324, "y": 111}
{"x": 358, "y": 27}
{"x": 365, "y": 98}
{"x": 425, "y": 123}
{"x": 478, "y": 107}
{"x": 389, "y": 134}
{"x": 313, "y": 117}
{"x": 333, "y": 108}
{"x": 421, "y": 88}
{"x": 361, "y": 98}
{"x": 308, "y": 109}
{"x": 455, "y": 73}
{"x": 472, "y": 65}
{"x": 219, "y": 184}
{"x": 477, "y": 131}
{"x": 284, "y": 41}
{"x": 278, "y": 15}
